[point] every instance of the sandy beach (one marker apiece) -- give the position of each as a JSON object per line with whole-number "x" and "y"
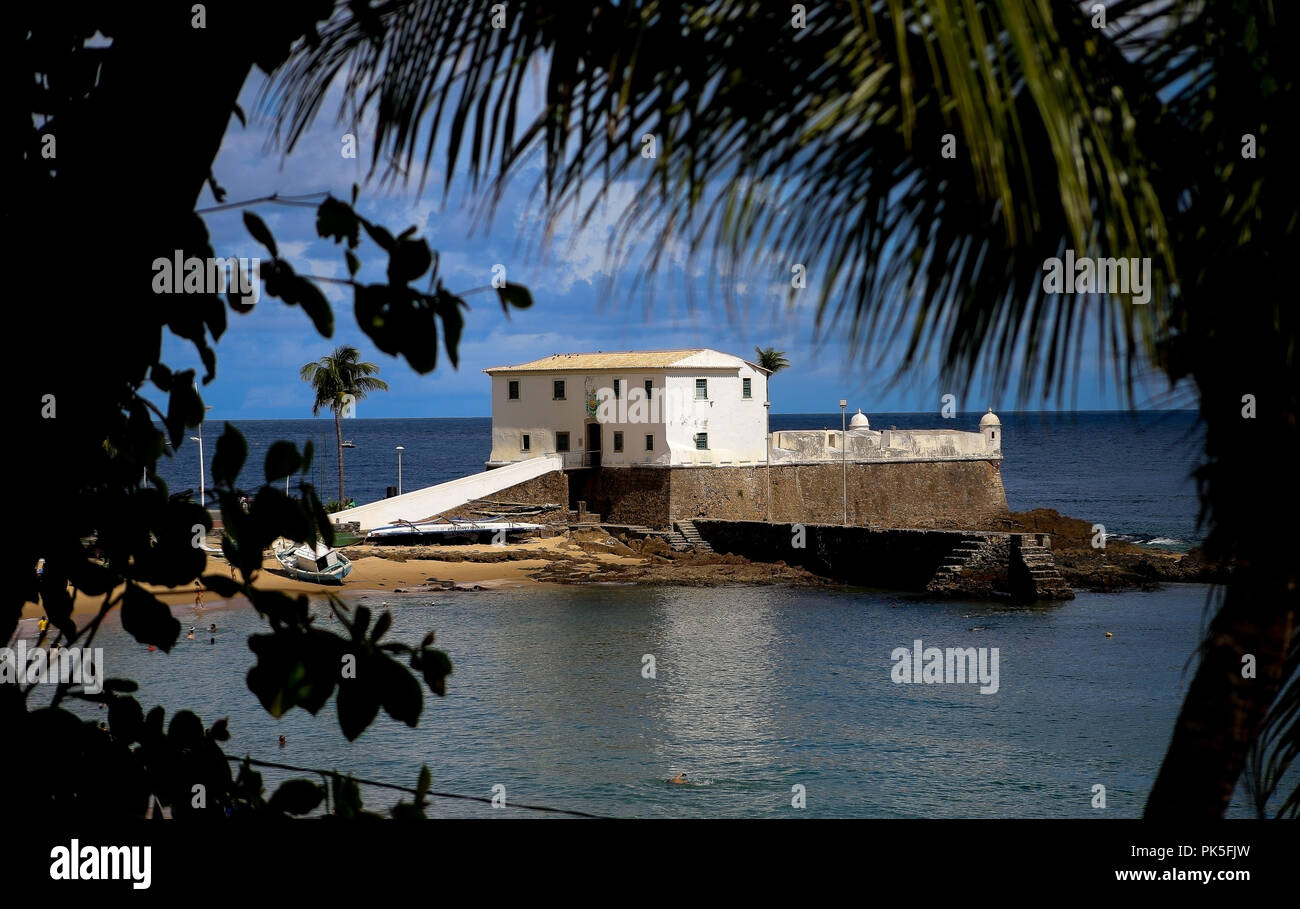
{"x": 369, "y": 574}
{"x": 393, "y": 568}
{"x": 584, "y": 556}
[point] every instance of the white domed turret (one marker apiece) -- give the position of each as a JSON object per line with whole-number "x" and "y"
{"x": 859, "y": 420}
{"x": 991, "y": 429}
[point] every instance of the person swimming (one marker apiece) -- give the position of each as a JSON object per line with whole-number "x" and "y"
{"x": 190, "y": 636}
{"x": 283, "y": 741}
{"x": 680, "y": 778}
{"x": 212, "y": 627}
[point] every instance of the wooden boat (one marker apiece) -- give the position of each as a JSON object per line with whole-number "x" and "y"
{"x": 319, "y": 564}
{"x": 453, "y": 531}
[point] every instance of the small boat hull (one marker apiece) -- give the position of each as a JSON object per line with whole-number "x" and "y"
{"x": 332, "y": 567}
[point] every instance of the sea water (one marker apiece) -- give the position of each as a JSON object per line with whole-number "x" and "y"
{"x": 765, "y": 697}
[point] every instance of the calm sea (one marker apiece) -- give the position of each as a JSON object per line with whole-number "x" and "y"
{"x": 757, "y": 691}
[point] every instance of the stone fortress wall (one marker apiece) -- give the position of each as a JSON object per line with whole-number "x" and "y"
{"x": 938, "y": 494}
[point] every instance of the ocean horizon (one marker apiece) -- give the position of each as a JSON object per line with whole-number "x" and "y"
{"x": 1128, "y": 470}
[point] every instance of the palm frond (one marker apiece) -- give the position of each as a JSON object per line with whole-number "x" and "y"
{"x": 817, "y": 146}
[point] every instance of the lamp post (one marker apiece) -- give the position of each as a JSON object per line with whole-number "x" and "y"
{"x": 400, "y": 449}
{"x": 844, "y": 464}
{"x": 199, "y": 438}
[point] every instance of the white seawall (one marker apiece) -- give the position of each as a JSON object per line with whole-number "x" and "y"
{"x": 432, "y": 500}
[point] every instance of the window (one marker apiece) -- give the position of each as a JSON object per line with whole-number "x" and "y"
{"x": 557, "y": 389}
{"x": 525, "y": 443}
{"x": 649, "y": 443}
{"x": 701, "y": 389}
{"x": 649, "y": 389}
{"x": 702, "y": 441}
{"x": 618, "y": 383}
{"x": 514, "y": 389}
{"x": 747, "y": 388}
{"x": 618, "y": 441}
{"x": 561, "y": 441}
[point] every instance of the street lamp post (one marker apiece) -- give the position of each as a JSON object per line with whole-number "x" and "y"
{"x": 199, "y": 438}
{"x": 400, "y": 449}
{"x": 844, "y": 464}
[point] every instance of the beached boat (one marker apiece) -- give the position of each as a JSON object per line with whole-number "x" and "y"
{"x": 453, "y": 531}
{"x": 319, "y": 564}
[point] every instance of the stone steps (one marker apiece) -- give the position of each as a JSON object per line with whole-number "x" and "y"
{"x": 689, "y": 534}
{"x": 1041, "y": 567}
{"x": 677, "y": 542}
{"x": 967, "y": 551}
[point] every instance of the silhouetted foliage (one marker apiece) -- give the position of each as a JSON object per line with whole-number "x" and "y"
{"x": 136, "y": 116}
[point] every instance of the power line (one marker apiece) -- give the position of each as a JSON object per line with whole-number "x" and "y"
{"x": 442, "y": 795}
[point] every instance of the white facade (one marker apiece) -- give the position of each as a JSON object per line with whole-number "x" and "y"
{"x": 631, "y": 408}
{"x": 862, "y": 443}
{"x": 801, "y": 446}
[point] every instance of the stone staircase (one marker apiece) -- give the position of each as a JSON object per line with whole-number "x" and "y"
{"x": 1042, "y": 571}
{"x": 685, "y": 535}
{"x": 969, "y": 549}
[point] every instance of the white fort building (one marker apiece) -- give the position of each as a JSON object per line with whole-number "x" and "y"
{"x": 651, "y": 437}
{"x": 631, "y": 408}
{"x": 682, "y": 408}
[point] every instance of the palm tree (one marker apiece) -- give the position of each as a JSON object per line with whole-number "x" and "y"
{"x": 924, "y": 160}
{"x": 340, "y": 380}
{"x": 771, "y": 359}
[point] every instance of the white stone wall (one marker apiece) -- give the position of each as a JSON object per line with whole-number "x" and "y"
{"x": 432, "y": 500}
{"x": 790, "y": 446}
{"x": 536, "y": 414}
{"x": 736, "y": 426}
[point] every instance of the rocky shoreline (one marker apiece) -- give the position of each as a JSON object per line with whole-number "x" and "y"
{"x": 589, "y": 556}
{"x": 595, "y": 556}
{"x": 1119, "y": 566}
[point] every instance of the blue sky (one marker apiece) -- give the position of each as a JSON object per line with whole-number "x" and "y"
{"x": 261, "y": 353}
